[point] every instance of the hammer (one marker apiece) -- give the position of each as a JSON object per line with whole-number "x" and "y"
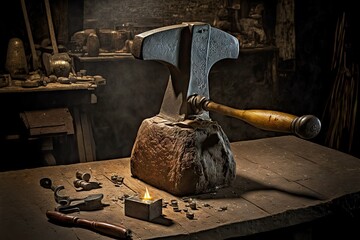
{"x": 189, "y": 50}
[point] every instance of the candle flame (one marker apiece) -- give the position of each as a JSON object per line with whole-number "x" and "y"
{"x": 147, "y": 195}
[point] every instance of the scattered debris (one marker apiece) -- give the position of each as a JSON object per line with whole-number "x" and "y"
{"x": 223, "y": 208}
{"x": 174, "y": 203}
{"x": 123, "y": 197}
{"x": 117, "y": 180}
{"x": 192, "y": 205}
{"x": 185, "y": 199}
{"x": 176, "y": 209}
{"x": 190, "y": 215}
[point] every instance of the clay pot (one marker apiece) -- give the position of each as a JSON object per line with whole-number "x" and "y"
{"x": 93, "y": 45}
{"x": 106, "y": 38}
{"x": 119, "y": 39}
{"x": 16, "y": 63}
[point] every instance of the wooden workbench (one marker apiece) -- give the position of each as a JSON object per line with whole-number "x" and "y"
{"x": 281, "y": 181}
{"x": 78, "y": 97}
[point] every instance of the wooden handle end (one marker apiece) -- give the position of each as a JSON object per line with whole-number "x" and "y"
{"x": 307, "y": 126}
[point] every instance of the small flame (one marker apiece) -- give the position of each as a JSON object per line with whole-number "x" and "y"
{"x": 147, "y": 195}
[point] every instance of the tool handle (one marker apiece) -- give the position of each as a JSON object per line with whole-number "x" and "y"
{"x": 117, "y": 231}
{"x": 51, "y": 27}
{"x": 35, "y": 60}
{"x": 307, "y": 126}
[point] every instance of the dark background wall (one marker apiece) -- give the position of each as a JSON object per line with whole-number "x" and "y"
{"x": 314, "y": 77}
{"x": 135, "y": 88}
{"x": 152, "y": 13}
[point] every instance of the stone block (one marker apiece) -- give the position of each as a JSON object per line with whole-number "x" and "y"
{"x": 182, "y": 158}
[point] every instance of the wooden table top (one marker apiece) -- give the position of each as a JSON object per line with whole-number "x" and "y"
{"x": 280, "y": 182}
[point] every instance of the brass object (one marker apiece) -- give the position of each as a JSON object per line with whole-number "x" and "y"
{"x": 60, "y": 68}
{"x": 16, "y": 63}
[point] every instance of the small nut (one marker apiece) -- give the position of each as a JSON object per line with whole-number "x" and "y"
{"x": 174, "y": 203}
{"x": 176, "y": 209}
{"x": 192, "y": 205}
{"x": 83, "y": 176}
{"x": 190, "y": 215}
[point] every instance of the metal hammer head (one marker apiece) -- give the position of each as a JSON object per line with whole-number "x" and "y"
{"x": 189, "y": 50}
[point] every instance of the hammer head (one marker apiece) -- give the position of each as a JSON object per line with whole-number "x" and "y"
{"x": 189, "y": 50}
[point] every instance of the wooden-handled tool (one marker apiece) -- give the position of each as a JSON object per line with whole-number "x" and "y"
{"x": 307, "y": 126}
{"x": 116, "y": 231}
{"x": 203, "y": 46}
{"x": 51, "y": 27}
{"x": 58, "y": 64}
{"x": 35, "y": 59}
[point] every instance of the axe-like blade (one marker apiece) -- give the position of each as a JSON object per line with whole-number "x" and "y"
{"x": 162, "y": 44}
{"x": 189, "y": 50}
{"x": 171, "y": 46}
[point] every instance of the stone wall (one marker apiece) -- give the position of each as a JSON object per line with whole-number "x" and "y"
{"x": 146, "y": 14}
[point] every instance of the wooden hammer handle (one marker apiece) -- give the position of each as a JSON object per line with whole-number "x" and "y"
{"x": 117, "y": 231}
{"x": 307, "y": 126}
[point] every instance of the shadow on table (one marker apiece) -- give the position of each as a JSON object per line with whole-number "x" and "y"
{"x": 243, "y": 185}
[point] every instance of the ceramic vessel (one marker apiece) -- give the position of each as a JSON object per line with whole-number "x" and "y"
{"x": 93, "y": 45}
{"x": 16, "y": 63}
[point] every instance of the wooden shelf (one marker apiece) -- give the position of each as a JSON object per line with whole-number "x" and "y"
{"x": 103, "y": 57}
{"x": 49, "y": 87}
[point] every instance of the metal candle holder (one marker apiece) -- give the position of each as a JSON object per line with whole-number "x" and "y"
{"x": 143, "y": 208}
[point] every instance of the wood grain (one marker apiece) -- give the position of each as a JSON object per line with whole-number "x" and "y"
{"x": 280, "y": 182}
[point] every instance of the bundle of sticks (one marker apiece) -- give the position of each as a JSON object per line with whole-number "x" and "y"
{"x": 342, "y": 105}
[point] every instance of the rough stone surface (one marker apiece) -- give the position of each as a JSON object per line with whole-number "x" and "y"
{"x": 182, "y": 159}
